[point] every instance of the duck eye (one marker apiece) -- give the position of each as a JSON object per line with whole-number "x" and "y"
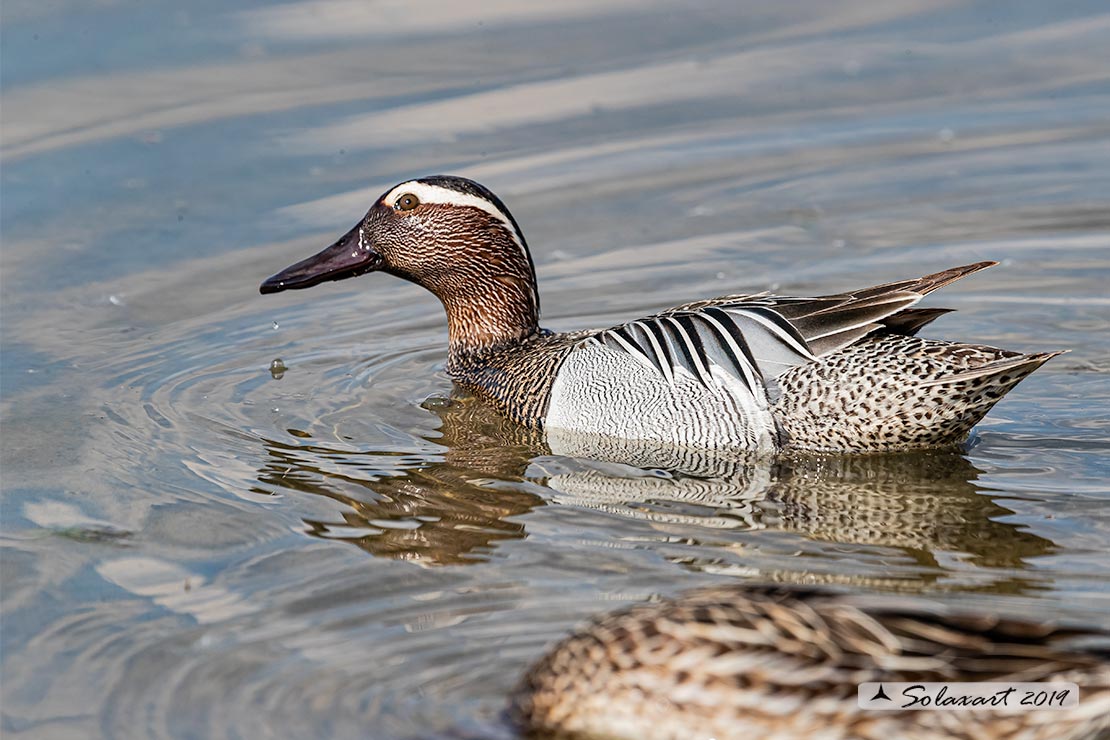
{"x": 406, "y": 202}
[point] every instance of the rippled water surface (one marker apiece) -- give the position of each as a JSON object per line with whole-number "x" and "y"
{"x": 195, "y": 546}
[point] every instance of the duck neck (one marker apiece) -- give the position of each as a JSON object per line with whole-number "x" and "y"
{"x": 505, "y": 311}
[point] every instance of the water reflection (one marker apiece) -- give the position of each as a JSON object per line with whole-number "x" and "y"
{"x": 437, "y": 513}
{"x": 924, "y": 504}
{"x": 457, "y": 507}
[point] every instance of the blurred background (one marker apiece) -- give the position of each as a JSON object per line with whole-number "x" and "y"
{"x": 198, "y": 542}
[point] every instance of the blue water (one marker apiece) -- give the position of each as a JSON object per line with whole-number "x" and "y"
{"x": 195, "y": 548}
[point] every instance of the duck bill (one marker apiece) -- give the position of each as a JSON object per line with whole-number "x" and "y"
{"x": 347, "y": 258}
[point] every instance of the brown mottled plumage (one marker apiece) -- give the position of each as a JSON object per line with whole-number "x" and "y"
{"x": 520, "y": 372}
{"x": 890, "y": 392}
{"x": 759, "y": 372}
{"x": 783, "y": 663}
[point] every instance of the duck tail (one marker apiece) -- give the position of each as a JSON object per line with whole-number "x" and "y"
{"x": 998, "y": 376}
{"x": 894, "y": 392}
{"x": 959, "y": 401}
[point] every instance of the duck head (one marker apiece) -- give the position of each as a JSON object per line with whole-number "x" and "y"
{"x": 450, "y": 235}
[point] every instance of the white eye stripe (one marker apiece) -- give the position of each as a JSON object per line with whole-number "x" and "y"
{"x": 434, "y": 194}
{"x": 426, "y": 193}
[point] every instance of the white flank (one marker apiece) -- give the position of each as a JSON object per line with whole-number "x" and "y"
{"x": 605, "y": 390}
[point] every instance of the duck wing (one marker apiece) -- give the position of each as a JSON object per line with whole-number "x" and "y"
{"x": 758, "y": 337}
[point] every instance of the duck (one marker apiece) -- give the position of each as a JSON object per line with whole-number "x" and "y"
{"x": 781, "y": 662}
{"x": 843, "y": 373}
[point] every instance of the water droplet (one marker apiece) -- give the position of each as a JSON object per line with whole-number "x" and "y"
{"x": 277, "y": 369}
{"x": 435, "y": 403}
{"x": 946, "y": 135}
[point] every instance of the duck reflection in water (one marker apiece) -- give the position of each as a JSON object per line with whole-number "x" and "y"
{"x": 457, "y": 507}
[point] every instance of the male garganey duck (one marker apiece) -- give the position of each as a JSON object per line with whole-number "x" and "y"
{"x": 842, "y": 372}
{"x": 783, "y": 663}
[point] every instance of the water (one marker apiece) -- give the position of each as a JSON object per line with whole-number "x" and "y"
{"x": 228, "y": 515}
